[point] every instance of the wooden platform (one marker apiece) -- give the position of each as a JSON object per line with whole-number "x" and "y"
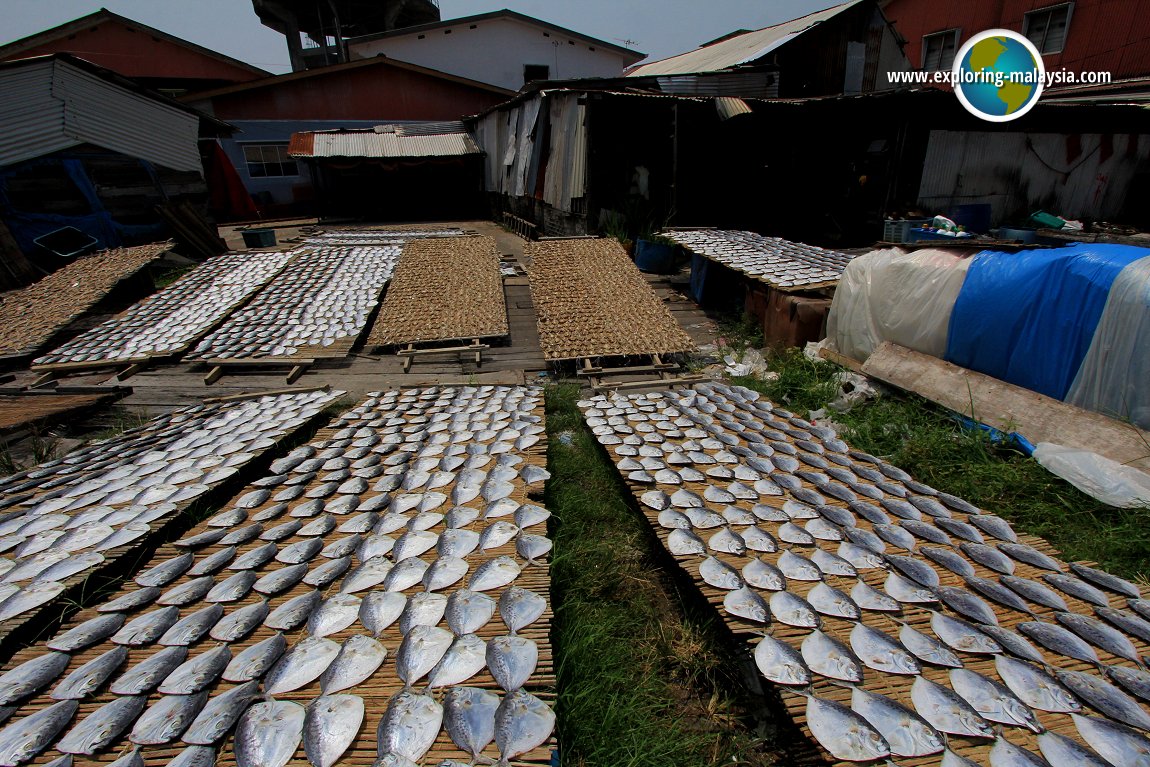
{"x": 24, "y": 411}
{"x": 376, "y": 690}
{"x": 896, "y": 687}
{"x": 115, "y": 559}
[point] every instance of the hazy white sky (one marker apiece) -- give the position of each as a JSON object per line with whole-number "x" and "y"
{"x": 657, "y": 27}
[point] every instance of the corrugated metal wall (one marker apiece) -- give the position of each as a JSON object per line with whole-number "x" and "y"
{"x": 511, "y": 139}
{"x": 99, "y": 113}
{"x": 49, "y": 106}
{"x": 1074, "y": 176}
{"x": 31, "y": 119}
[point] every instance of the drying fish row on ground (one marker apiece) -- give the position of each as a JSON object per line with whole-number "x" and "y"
{"x": 324, "y": 298}
{"x": 30, "y": 317}
{"x": 65, "y": 519}
{"x": 168, "y": 322}
{"x": 444, "y": 289}
{"x": 593, "y": 302}
{"x": 382, "y": 594}
{"x": 897, "y": 621}
{"x": 771, "y": 260}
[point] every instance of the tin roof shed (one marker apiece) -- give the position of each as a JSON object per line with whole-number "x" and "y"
{"x": 51, "y": 103}
{"x": 399, "y": 141}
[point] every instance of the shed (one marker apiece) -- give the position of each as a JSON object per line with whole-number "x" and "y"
{"x": 84, "y": 147}
{"x": 390, "y": 172}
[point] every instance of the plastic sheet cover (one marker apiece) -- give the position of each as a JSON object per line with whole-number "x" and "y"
{"x": 893, "y": 295}
{"x": 1113, "y": 377}
{"x": 1029, "y": 317}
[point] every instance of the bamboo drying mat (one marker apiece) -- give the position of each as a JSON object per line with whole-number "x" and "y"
{"x": 375, "y": 691}
{"x": 338, "y": 349}
{"x": 444, "y": 289}
{"x": 160, "y": 531}
{"x": 30, "y": 317}
{"x": 182, "y": 289}
{"x": 896, "y": 687}
{"x": 592, "y": 301}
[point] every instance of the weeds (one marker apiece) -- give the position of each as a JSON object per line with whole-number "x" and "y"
{"x": 638, "y": 680}
{"x": 928, "y": 442}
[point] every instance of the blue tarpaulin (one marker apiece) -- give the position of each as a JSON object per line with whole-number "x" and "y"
{"x": 1029, "y": 317}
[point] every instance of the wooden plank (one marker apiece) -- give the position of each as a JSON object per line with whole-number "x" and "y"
{"x": 1008, "y": 407}
{"x": 840, "y": 359}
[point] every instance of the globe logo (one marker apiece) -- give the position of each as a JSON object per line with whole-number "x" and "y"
{"x": 998, "y": 75}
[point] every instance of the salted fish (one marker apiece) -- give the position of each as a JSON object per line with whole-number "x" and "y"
{"x": 90, "y": 676}
{"x": 992, "y": 700}
{"x": 25, "y": 738}
{"x": 166, "y": 719}
{"x": 1034, "y": 686}
{"x": 32, "y": 675}
{"x": 468, "y": 611}
{"x": 466, "y": 657}
{"x": 102, "y": 726}
{"x": 843, "y": 733}
{"x": 331, "y": 724}
{"x": 301, "y": 665}
{"x": 409, "y": 726}
{"x": 239, "y": 623}
{"x": 358, "y": 659}
{"x": 1114, "y": 742}
{"x": 294, "y": 612}
{"x": 881, "y": 652}
{"x": 419, "y": 652}
{"x": 469, "y": 718}
{"x": 146, "y": 675}
{"x": 196, "y": 674}
{"x": 512, "y": 660}
{"x": 334, "y": 614}
{"x": 907, "y": 734}
{"x": 781, "y": 663}
{"x": 946, "y": 711}
{"x": 269, "y": 734}
{"x": 380, "y": 609}
{"x": 254, "y": 661}
{"x": 522, "y": 722}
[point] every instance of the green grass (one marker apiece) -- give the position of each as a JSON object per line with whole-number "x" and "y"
{"x": 926, "y": 441}
{"x": 641, "y": 682}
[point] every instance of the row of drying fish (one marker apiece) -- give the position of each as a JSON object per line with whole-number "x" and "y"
{"x": 169, "y": 321}
{"x": 366, "y": 516}
{"x": 378, "y": 236}
{"x": 780, "y": 550}
{"x": 327, "y": 295}
{"x": 62, "y": 517}
{"x": 773, "y": 260}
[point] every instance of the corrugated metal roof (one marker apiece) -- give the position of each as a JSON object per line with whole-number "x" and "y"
{"x": 49, "y": 104}
{"x": 386, "y": 141}
{"x": 740, "y": 49}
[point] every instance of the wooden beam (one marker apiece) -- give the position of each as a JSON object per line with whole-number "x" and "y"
{"x": 839, "y": 359}
{"x": 213, "y": 375}
{"x": 1007, "y": 407}
{"x": 294, "y": 374}
{"x": 267, "y": 393}
{"x": 129, "y": 371}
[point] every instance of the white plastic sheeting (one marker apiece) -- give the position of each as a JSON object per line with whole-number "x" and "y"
{"x": 1099, "y": 477}
{"x": 1113, "y": 377}
{"x": 893, "y": 295}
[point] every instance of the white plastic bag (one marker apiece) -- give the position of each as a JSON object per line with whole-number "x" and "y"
{"x": 1099, "y": 477}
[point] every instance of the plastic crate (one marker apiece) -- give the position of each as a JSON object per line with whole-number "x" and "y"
{"x": 898, "y": 229}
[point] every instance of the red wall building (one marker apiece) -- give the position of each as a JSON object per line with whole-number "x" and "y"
{"x": 1086, "y": 35}
{"x": 375, "y": 89}
{"x": 153, "y": 58}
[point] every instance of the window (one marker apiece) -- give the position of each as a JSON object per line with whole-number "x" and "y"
{"x": 532, "y": 72}
{"x": 938, "y": 50}
{"x": 269, "y": 160}
{"x": 1046, "y": 28}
